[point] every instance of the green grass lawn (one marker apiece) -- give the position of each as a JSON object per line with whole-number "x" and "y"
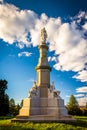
{"x": 81, "y": 124}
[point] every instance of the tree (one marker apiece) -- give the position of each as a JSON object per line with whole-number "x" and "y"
{"x": 17, "y": 108}
{"x": 11, "y": 102}
{"x": 3, "y": 87}
{"x": 85, "y": 110}
{"x": 73, "y": 106}
{"x": 13, "y": 109}
{"x": 12, "y": 106}
{"x": 86, "y": 105}
{"x": 21, "y": 104}
{"x": 4, "y": 99}
{"x": 6, "y": 104}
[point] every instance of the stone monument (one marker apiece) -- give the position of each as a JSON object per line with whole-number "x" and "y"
{"x": 44, "y": 103}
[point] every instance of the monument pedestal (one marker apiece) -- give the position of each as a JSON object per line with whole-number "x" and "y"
{"x": 38, "y": 109}
{"x": 44, "y": 102}
{"x": 43, "y": 106}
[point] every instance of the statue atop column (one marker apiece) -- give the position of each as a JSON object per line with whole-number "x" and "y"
{"x": 43, "y": 36}
{"x": 44, "y": 103}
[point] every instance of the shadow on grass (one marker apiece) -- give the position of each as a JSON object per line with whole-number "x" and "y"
{"x": 80, "y": 123}
{"x": 14, "y": 128}
{"x": 6, "y": 117}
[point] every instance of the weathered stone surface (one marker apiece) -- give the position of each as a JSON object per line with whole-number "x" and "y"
{"x": 43, "y": 106}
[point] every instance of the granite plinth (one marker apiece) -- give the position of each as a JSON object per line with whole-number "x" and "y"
{"x": 43, "y": 106}
{"x": 43, "y": 110}
{"x": 43, "y": 118}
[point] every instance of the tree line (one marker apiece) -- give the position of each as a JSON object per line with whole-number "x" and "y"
{"x": 74, "y": 108}
{"x": 8, "y": 106}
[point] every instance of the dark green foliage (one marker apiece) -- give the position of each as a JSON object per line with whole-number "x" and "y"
{"x": 13, "y": 109}
{"x": 86, "y": 104}
{"x": 84, "y": 111}
{"x": 4, "y": 99}
{"x": 21, "y": 104}
{"x": 73, "y": 107}
{"x": 6, "y": 105}
{"x": 17, "y": 108}
{"x": 11, "y": 102}
{"x": 3, "y": 87}
{"x": 11, "y": 106}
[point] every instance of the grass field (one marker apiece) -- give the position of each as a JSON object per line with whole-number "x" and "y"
{"x": 81, "y": 124}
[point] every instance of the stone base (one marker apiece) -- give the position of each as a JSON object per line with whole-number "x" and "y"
{"x": 43, "y": 118}
{"x": 43, "y": 110}
{"x": 43, "y": 106}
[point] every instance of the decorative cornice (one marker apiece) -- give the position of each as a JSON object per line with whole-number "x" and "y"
{"x": 43, "y": 46}
{"x": 43, "y": 67}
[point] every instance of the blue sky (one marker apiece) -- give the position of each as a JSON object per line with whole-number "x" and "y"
{"x": 66, "y": 25}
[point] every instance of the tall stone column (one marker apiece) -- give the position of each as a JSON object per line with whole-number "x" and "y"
{"x": 44, "y": 102}
{"x": 43, "y": 69}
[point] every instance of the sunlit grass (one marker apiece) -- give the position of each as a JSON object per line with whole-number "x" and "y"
{"x": 81, "y": 124}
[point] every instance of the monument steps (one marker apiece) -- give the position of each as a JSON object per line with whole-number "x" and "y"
{"x": 44, "y": 118}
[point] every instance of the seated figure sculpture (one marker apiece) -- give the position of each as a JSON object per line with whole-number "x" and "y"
{"x": 34, "y": 91}
{"x": 52, "y": 92}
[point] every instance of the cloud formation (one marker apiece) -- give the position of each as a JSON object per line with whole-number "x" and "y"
{"x": 67, "y": 40}
{"x": 81, "y": 95}
{"x": 14, "y": 27}
{"x": 78, "y": 95}
{"x": 52, "y": 58}
{"x": 82, "y": 89}
{"x": 24, "y": 53}
{"x": 81, "y": 75}
{"x": 82, "y": 101}
{"x": 1, "y": 1}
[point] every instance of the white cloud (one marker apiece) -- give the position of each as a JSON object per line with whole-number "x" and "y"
{"x": 20, "y": 45}
{"x": 68, "y": 96}
{"x": 71, "y": 48}
{"x": 14, "y": 27}
{"x": 78, "y": 95}
{"x": 81, "y": 98}
{"x": 82, "y": 101}
{"x": 27, "y": 54}
{"x": 82, "y": 95}
{"x": 82, "y": 89}
{"x": 82, "y": 15}
{"x": 85, "y": 26}
{"x": 1, "y": 1}
{"x": 82, "y": 76}
{"x": 66, "y": 39}
{"x": 31, "y": 80}
{"x": 52, "y": 58}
